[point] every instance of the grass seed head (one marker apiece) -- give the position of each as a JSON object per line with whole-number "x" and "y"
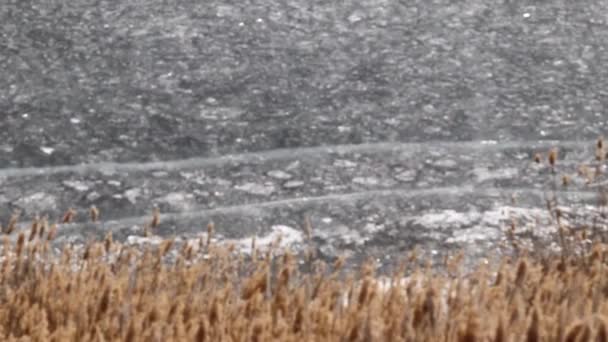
{"x": 44, "y": 227}
{"x": 108, "y": 242}
{"x": 12, "y": 223}
{"x": 210, "y": 231}
{"x": 20, "y": 244}
{"x": 339, "y": 263}
{"x": 34, "y": 229}
{"x": 188, "y": 251}
{"x": 165, "y": 247}
{"x": 69, "y": 216}
{"x": 155, "y": 218}
{"x": 600, "y": 154}
{"x": 52, "y": 232}
{"x": 307, "y": 228}
{"x": 94, "y": 214}
{"x": 553, "y": 157}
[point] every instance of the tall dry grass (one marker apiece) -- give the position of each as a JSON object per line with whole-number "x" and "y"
{"x": 108, "y": 291}
{"x": 112, "y": 292}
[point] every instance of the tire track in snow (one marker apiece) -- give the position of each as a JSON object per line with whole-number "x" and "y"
{"x": 258, "y": 209}
{"x": 291, "y": 153}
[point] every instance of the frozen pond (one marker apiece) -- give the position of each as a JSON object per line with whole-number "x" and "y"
{"x": 387, "y": 124}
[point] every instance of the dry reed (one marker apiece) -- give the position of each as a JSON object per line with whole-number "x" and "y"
{"x": 108, "y": 291}
{"x": 86, "y": 295}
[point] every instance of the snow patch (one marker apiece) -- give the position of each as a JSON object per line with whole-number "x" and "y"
{"x": 279, "y": 174}
{"x": 256, "y": 189}
{"x": 47, "y": 150}
{"x": 484, "y": 174}
{"x": 140, "y": 240}
{"x": 289, "y": 237}
{"x": 366, "y": 180}
{"x": 446, "y": 219}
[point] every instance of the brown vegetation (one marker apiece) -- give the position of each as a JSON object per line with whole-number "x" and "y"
{"x": 112, "y": 292}
{"x": 107, "y": 291}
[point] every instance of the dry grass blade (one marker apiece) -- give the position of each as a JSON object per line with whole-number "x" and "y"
{"x": 552, "y": 157}
{"x": 155, "y": 218}
{"x": 94, "y": 214}
{"x": 12, "y": 223}
{"x": 69, "y": 216}
{"x": 210, "y": 231}
{"x": 52, "y": 232}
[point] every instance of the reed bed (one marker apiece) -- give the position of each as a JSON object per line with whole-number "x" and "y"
{"x": 109, "y": 291}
